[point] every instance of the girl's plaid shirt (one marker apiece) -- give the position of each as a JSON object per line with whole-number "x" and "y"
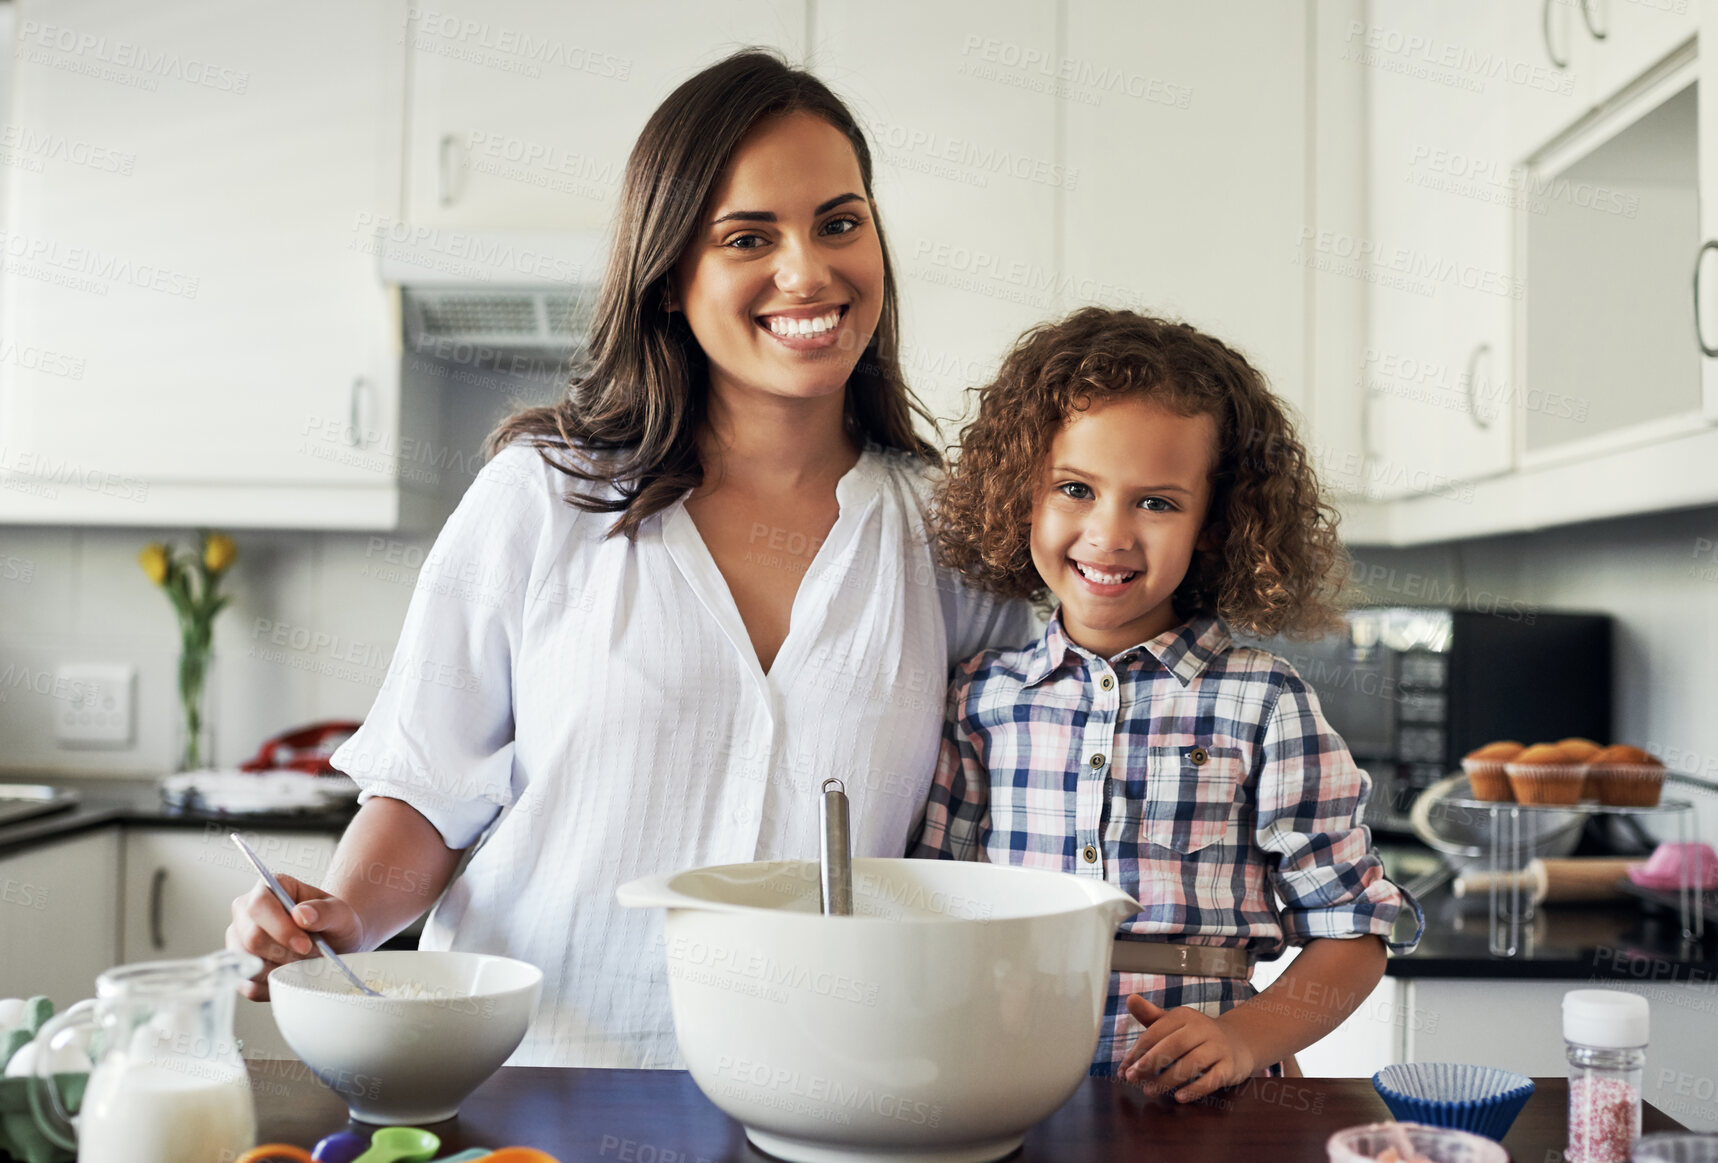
{"x": 1197, "y": 775}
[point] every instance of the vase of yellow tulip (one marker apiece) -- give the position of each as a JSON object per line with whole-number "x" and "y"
{"x": 191, "y": 578}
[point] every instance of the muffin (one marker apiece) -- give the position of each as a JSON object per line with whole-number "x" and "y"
{"x": 1547, "y": 773}
{"x": 1582, "y": 750}
{"x": 1484, "y": 767}
{"x": 1625, "y": 777}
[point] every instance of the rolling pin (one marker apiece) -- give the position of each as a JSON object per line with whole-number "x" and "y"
{"x": 1575, "y": 878}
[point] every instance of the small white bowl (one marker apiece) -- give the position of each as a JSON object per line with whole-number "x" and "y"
{"x": 412, "y": 1058}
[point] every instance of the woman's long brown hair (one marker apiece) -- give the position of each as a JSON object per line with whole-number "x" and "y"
{"x": 634, "y": 406}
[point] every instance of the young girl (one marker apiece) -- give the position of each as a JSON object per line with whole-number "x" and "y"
{"x": 1142, "y": 473}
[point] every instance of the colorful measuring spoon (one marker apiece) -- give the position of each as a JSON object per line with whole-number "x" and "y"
{"x": 400, "y": 1145}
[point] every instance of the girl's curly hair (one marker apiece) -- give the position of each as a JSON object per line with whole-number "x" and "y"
{"x": 1268, "y": 560}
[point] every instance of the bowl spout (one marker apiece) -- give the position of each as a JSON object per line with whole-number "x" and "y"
{"x": 1117, "y": 905}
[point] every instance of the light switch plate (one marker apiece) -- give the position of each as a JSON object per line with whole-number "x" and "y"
{"x": 96, "y": 701}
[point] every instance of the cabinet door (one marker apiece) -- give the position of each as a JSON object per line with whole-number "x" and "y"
{"x": 968, "y": 175}
{"x": 523, "y": 111}
{"x": 180, "y": 883}
{"x": 1437, "y": 364}
{"x": 1188, "y": 125}
{"x": 179, "y": 886}
{"x": 195, "y": 249}
{"x": 1637, "y": 34}
{"x": 59, "y": 913}
{"x": 1544, "y": 74}
{"x": 1706, "y": 260}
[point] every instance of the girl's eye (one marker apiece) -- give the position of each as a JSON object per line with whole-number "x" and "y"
{"x": 1158, "y": 505}
{"x": 1074, "y": 490}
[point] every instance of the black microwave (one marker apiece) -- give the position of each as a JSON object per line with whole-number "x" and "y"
{"x": 1412, "y": 689}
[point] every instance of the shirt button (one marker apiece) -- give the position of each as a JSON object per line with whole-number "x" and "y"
{"x": 1107, "y": 681}
{"x": 1091, "y": 854}
{"x": 1097, "y": 759}
{"x": 1198, "y": 756}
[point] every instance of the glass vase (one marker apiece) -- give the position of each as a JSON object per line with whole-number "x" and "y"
{"x": 194, "y": 743}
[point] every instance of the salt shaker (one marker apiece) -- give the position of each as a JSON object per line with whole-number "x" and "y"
{"x": 1605, "y": 1032}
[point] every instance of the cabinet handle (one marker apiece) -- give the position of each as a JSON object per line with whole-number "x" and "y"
{"x": 360, "y": 389}
{"x": 1545, "y": 32}
{"x": 1587, "y": 18}
{"x": 157, "y": 939}
{"x": 1706, "y": 349}
{"x": 1479, "y": 352}
{"x": 445, "y": 171}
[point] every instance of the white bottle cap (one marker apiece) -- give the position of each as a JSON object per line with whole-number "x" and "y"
{"x": 1607, "y": 1018}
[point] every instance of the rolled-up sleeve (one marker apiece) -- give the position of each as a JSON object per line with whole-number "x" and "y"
{"x": 440, "y": 733}
{"x": 952, "y": 824}
{"x": 1311, "y": 794}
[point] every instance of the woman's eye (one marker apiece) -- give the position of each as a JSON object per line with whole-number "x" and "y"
{"x": 1158, "y": 505}
{"x": 737, "y": 240}
{"x": 1074, "y": 490}
{"x": 848, "y": 225}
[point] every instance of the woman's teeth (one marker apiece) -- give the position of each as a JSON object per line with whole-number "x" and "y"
{"x": 1104, "y": 579}
{"x": 789, "y": 326}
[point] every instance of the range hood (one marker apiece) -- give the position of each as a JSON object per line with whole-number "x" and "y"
{"x": 503, "y": 290}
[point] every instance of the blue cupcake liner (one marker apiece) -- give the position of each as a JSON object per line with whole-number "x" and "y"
{"x": 1481, "y": 1099}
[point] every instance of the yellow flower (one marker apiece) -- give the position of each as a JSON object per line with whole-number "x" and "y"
{"x": 219, "y": 552}
{"x": 153, "y": 559}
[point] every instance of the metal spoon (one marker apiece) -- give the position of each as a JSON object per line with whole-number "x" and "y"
{"x": 836, "y": 854}
{"x": 287, "y": 903}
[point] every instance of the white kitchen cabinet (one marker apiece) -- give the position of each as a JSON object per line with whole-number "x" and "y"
{"x": 1544, "y": 79}
{"x": 1637, "y": 34}
{"x": 1438, "y": 263}
{"x": 190, "y": 278}
{"x": 961, "y": 118}
{"x": 522, "y": 112}
{"x": 179, "y": 886}
{"x": 1615, "y": 406}
{"x": 1189, "y": 127}
{"x": 59, "y": 917}
{"x": 1518, "y": 1025}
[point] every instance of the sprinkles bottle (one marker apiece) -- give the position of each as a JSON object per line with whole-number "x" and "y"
{"x": 1606, "y": 1035}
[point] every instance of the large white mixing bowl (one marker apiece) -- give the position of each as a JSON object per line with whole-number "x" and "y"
{"x": 958, "y": 1006}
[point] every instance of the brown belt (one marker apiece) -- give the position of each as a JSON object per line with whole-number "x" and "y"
{"x": 1187, "y": 960}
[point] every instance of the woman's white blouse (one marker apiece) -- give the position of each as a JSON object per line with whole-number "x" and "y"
{"x": 593, "y": 710}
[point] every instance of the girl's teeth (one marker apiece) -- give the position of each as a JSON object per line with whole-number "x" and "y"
{"x": 1103, "y": 579}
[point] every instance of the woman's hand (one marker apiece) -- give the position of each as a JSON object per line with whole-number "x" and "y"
{"x": 263, "y": 927}
{"x": 1185, "y": 1051}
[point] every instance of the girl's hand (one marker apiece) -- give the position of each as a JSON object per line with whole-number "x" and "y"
{"x": 1185, "y": 1051}
{"x": 262, "y": 927}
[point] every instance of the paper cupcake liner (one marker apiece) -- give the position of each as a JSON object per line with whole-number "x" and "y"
{"x": 1547, "y": 783}
{"x": 1481, "y": 1099}
{"x": 1626, "y": 785}
{"x": 1488, "y": 780}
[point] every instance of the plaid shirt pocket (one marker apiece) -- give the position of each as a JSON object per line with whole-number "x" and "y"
{"x": 1187, "y": 798}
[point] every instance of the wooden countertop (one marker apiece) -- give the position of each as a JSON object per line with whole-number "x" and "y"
{"x": 660, "y": 1116}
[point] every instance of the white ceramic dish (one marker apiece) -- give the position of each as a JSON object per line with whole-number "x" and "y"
{"x": 958, "y": 1006}
{"x": 405, "y": 1060}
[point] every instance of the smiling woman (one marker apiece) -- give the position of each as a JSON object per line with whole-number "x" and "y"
{"x": 686, "y": 594}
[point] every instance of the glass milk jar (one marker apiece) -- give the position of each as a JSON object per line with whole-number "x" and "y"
{"x": 166, "y": 1083}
